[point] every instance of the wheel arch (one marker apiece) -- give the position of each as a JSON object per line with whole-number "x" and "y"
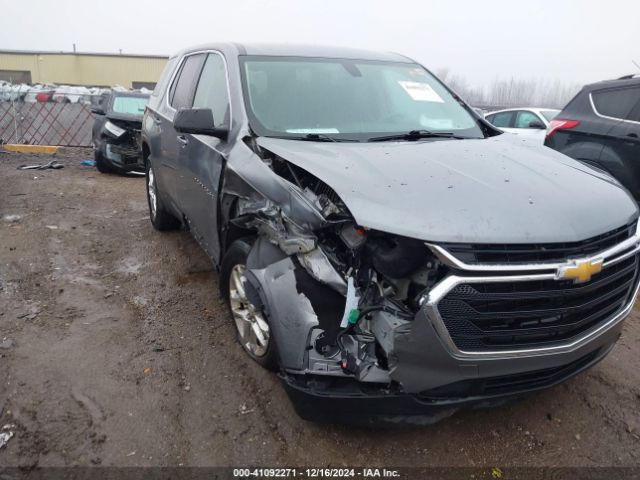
{"x": 146, "y": 152}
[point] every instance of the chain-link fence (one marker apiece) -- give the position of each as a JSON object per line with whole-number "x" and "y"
{"x": 46, "y": 123}
{"x": 47, "y": 114}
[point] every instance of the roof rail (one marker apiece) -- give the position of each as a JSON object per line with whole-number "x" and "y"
{"x": 630, "y": 76}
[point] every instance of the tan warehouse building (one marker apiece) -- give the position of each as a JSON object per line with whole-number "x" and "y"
{"x": 89, "y": 69}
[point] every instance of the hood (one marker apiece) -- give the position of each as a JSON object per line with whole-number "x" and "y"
{"x": 496, "y": 190}
{"x": 134, "y": 121}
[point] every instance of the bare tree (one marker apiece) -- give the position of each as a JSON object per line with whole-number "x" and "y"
{"x": 511, "y": 92}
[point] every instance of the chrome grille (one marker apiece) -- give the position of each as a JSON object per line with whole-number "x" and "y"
{"x": 505, "y": 308}
{"x": 497, "y": 315}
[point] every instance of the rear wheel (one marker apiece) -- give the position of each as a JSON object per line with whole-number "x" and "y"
{"x": 160, "y": 217}
{"x": 252, "y": 325}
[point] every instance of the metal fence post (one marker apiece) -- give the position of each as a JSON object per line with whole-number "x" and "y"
{"x": 15, "y": 118}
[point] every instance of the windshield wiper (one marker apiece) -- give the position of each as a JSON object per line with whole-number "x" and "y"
{"x": 319, "y": 137}
{"x": 315, "y": 137}
{"x": 415, "y": 135}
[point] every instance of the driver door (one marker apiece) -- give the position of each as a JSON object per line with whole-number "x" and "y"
{"x": 202, "y": 157}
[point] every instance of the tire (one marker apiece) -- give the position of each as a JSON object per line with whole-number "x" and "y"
{"x": 160, "y": 217}
{"x": 101, "y": 164}
{"x": 233, "y": 265}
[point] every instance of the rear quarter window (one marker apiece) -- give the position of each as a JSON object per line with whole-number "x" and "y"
{"x": 615, "y": 103}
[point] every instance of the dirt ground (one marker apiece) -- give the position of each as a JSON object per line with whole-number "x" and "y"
{"x": 115, "y": 349}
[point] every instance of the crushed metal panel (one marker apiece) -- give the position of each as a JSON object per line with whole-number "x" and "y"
{"x": 269, "y": 221}
{"x": 256, "y": 173}
{"x": 417, "y": 359}
{"x": 291, "y": 315}
{"x": 320, "y": 268}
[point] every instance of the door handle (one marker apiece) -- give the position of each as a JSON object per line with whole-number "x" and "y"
{"x": 182, "y": 140}
{"x": 156, "y": 120}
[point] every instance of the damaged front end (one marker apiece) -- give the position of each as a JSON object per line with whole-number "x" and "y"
{"x": 342, "y": 300}
{"x": 119, "y": 143}
{"x": 376, "y": 327}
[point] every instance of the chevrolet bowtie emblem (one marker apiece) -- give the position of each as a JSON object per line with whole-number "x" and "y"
{"x": 580, "y": 271}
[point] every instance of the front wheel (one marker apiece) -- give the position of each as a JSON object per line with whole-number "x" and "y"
{"x": 252, "y": 325}
{"x": 101, "y": 162}
{"x": 160, "y": 217}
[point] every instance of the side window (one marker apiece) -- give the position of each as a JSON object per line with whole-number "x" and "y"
{"x": 524, "y": 118}
{"x": 212, "y": 92}
{"x": 181, "y": 93}
{"x": 501, "y": 120}
{"x": 616, "y": 103}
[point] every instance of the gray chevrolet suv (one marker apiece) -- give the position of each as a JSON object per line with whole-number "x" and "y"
{"x": 386, "y": 250}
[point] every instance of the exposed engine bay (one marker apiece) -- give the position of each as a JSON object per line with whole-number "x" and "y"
{"x": 338, "y": 291}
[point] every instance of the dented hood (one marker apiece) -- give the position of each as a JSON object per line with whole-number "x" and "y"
{"x": 496, "y": 190}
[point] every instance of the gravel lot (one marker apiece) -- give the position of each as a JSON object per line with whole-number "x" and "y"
{"x": 115, "y": 349}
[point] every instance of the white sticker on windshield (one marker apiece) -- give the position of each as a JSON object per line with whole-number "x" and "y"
{"x": 420, "y": 92}
{"x": 312, "y": 130}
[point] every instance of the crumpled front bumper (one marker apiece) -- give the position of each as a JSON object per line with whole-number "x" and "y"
{"x": 423, "y": 376}
{"x": 350, "y": 401}
{"x": 122, "y": 159}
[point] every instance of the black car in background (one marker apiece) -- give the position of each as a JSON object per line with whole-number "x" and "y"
{"x": 601, "y": 127}
{"x": 116, "y": 131}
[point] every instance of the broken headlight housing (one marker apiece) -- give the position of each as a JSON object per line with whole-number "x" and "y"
{"x": 113, "y": 129}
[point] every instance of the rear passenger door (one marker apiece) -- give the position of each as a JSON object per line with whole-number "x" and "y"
{"x": 180, "y": 95}
{"x": 202, "y": 158}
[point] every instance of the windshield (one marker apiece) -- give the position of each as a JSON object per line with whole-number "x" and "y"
{"x": 129, "y": 105}
{"x": 348, "y": 99}
{"x": 550, "y": 114}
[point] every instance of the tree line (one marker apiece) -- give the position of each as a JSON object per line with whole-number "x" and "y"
{"x": 512, "y": 92}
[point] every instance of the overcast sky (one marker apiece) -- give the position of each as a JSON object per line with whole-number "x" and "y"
{"x": 570, "y": 40}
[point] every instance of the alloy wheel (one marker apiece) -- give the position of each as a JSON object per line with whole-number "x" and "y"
{"x": 253, "y": 329}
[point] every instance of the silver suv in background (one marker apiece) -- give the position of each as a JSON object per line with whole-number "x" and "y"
{"x": 384, "y": 248}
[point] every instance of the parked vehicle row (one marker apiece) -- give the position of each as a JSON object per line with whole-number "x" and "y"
{"x": 391, "y": 253}
{"x": 46, "y": 93}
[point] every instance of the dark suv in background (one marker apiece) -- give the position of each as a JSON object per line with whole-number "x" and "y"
{"x": 601, "y": 127}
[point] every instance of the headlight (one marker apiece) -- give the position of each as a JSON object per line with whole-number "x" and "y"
{"x": 113, "y": 129}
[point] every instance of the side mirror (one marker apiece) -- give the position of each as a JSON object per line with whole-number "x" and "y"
{"x": 97, "y": 110}
{"x": 537, "y": 124}
{"x": 198, "y": 121}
